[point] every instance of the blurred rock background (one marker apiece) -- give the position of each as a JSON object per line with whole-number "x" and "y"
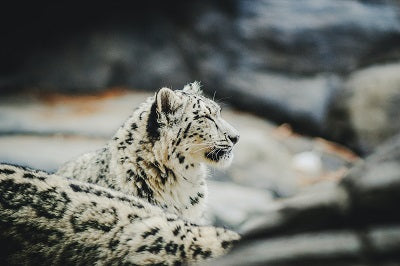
{"x": 312, "y": 85}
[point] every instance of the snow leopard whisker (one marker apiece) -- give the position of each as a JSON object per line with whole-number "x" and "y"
{"x": 207, "y": 147}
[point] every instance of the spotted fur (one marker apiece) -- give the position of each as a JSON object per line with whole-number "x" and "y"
{"x": 160, "y": 152}
{"x": 51, "y": 220}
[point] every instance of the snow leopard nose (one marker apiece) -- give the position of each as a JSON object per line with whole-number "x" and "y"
{"x": 234, "y": 138}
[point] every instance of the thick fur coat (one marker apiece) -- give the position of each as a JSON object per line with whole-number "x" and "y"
{"x": 159, "y": 154}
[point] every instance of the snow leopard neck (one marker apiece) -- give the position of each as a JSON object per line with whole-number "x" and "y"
{"x": 152, "y": 165}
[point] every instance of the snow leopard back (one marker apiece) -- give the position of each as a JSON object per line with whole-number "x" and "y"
{"x": 51, "y": 220}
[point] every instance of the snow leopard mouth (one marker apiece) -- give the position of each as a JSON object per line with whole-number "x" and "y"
{"x": 217, "y": 154}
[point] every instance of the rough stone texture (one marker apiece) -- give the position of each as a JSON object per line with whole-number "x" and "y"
{"x": 355, "y": 222}
{"x": 366, "y": 110}
{"x": 280, "y": 59}
{"x": 301, "y": 101}
{"x": 231, "y": 205}
{"x": 312, "y": 36}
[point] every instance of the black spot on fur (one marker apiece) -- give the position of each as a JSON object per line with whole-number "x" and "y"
{"x": 134, "y": 126}
{"x": 113, "y": 244}
{"x": 177, "y": 263}
{"x": 133, "y": 217}
{"x": 194, "y": 200}
{"x": 141, "y": 248}
{"x": 177, "y": 230}
{"x": 170, "y": 219}
{"x": 171, "y": 248}
{"x": 151, "y": 232}
{"x": 170, "y": 173}
{"x": 90, "y": 190}
{"x": 78, "y": 254}
{"x": 16, "y": 195}
{"x": 144, "y": 190}
{"x": 182, "y": 250}
{"x": 51, "y": 203}
{"x": 225, "y": 244}
{"x": 187, "y": 128}
{"x": 153, "y": 126}
{"x": 7, "y": 171}
{"x": 178, "y": 142}
{"x": 88, "y": 216}
{"x": 155, "y": 248}
{"x": 32, "y": 176}
{"x": 206, "y": 254}
{"x": 199, "y": 194}
{"x": 197, "y": 251}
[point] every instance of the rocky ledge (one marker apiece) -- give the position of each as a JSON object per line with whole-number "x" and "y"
{"x": 355, "y": 222}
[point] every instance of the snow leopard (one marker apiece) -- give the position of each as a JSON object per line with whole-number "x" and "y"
{"x": 160, "y": 153}
{"x": 46, "y": 219}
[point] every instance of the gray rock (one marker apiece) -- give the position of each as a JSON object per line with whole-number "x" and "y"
{"x": 231, "y": 205}
{"x": 45, "y": 152}
{"x": 366, "y": 111}
{"x": 303, "y": 212}
{"x": 355, "y": 222}
{"x": 312, "y": 36}
{"x": 303, "y": 249}
{"x": 301, "y": 101}
{"x": 90, "y": 116}
{"x": 260, "y": 161}
{"x": 385, "y": 240}
{"x": 269, "y": 57}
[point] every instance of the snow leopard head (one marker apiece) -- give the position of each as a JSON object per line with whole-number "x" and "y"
{"x": 193, "y": 125}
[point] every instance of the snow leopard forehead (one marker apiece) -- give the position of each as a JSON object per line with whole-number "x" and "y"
{"x": 169, "y": 107}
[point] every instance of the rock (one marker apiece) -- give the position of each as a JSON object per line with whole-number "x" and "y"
{"x": 375, "y": 184}
{"x": 303, "y": 249}
{"x": 313, "y": 36}
{"x": 231, "y": 205}
{"x": 96, "y": 116}
{"x": 45, "y": 152}
{"x": 303, "y": 212}
{"x": 366, "y": 111}
{"x": 260, "y": 161}
{"x": 278, "y": 59}
{"x": 354, "y": 222}
{"x": 302, "y": 102}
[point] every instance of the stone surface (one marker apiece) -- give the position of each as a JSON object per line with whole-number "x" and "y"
{"x": 280, "y": 59}
{"x": 353, "y": 222}
{"x": 366, "y": 110}
{"x": 231, "y": 205}
{"x": 303, "y": 249}
{"x": 97, "y": 115}
{"x": 312, "y": 36}
{"x": 45, "y": 152}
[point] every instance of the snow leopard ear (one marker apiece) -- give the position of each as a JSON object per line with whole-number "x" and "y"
{"x": 167, "y": 101}
{"x": 194, "y": 88}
